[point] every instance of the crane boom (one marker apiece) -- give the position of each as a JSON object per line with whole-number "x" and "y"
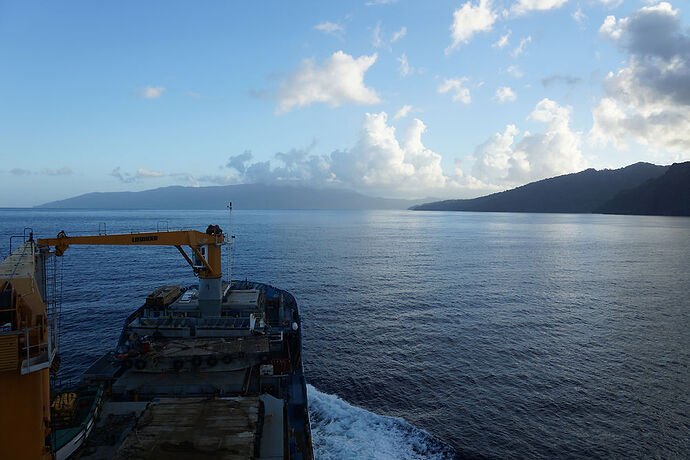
{"x": 205, "y": 260}
{"x": 205, "y": 246}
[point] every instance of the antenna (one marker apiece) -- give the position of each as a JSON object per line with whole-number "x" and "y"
{"x": 230, "y": 241}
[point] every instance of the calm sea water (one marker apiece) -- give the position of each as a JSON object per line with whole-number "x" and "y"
{"x": 438, "y": 334}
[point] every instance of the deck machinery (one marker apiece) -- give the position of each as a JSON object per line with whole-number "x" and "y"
{"x": 211, "y": 370}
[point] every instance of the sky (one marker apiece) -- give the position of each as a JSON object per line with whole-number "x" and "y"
{"x": 410, "y": 99}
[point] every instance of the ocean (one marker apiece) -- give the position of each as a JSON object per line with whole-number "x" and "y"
{"x": 435, "y": 334}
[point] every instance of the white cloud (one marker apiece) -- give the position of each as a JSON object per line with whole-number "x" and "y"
{"x": 470, "y": 19}
{"x": 609, "y": 29}
{"x": 515, "y": 71}
{"x": 460, "y": 93}
{"x": 402, "y": 113}
{"x": 648, "y": 100}
{"x": 404, "y": 67}
{"x": 151, "y": 92}
{"x": 502, "y": 41}
{"x": 503, "y": 161}
{"x": 505, "y": 94}
{"x": 378, "y": 163}
{"x": 338, "y": 81}
{"x": 521, "y": 47}
{"x": 330, "y": 28}
{"x": 382, "y": 163}
{"x": 524, "y": 6}
{"x": 141, "y": 173}
{"x": 399, "y": 34}
{"x": 611, "y": 3}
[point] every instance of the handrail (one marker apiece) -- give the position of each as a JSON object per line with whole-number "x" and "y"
{"x": 16, "y": 266}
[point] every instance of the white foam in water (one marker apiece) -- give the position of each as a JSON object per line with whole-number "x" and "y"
{"x": 343, "y": 431}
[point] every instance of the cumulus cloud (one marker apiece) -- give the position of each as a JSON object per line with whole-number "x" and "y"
{"x": 330, "y": 28}
{"x": 470, "y": 19}
{"x": 524, "y": 6}
{"x": 338, "y": 81}
{"x": 239, "y": 162}
{"x": 648, "y": 100}
{"x": 151, "y": 92}
{"x": 295, "y": 165}
{"x": 502, "y": 42}
{"x": 402, "y": 113}
{"x": 504, "y": 160}
{"x": 385, "y": 163}
{"x": 380, "y": 162}
{"x": 521, "y": 47}
{"x": 505, "y": 94}
{"x": 455, "y": 86}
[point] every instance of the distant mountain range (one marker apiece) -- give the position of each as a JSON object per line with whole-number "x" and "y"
{"x": 641, "y": 188}
{"x": 245, "y": 196}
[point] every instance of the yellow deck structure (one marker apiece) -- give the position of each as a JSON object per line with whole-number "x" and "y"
{"x": 26, "y": 353}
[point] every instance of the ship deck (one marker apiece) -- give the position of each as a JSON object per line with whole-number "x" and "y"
{"x": 189, "y": 428}
{"x": 194, "y": 386}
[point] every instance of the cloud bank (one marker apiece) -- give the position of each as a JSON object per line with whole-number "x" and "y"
{"x": 385, "y": 163}
{"x": 648, "y": 100}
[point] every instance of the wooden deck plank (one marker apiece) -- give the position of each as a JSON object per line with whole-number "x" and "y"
{"x": 194, "y": 428}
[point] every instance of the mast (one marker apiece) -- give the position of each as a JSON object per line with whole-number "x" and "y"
{"x": 230, "y": 240}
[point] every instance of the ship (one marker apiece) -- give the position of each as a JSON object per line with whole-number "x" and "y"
{"x": 210, "y": 370}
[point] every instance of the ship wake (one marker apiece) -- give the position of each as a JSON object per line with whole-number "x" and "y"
{"x": 343, "y": 431}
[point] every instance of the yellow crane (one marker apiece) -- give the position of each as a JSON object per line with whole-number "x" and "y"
{"x": 205, "y": 246}
{"x": 28, "y": 343}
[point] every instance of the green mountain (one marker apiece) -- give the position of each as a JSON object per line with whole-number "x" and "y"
{"x": 583, "y": 192}
{"x": 667, "y": 195}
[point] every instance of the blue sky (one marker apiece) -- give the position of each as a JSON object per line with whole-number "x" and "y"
{"x": 397, "y": 99}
